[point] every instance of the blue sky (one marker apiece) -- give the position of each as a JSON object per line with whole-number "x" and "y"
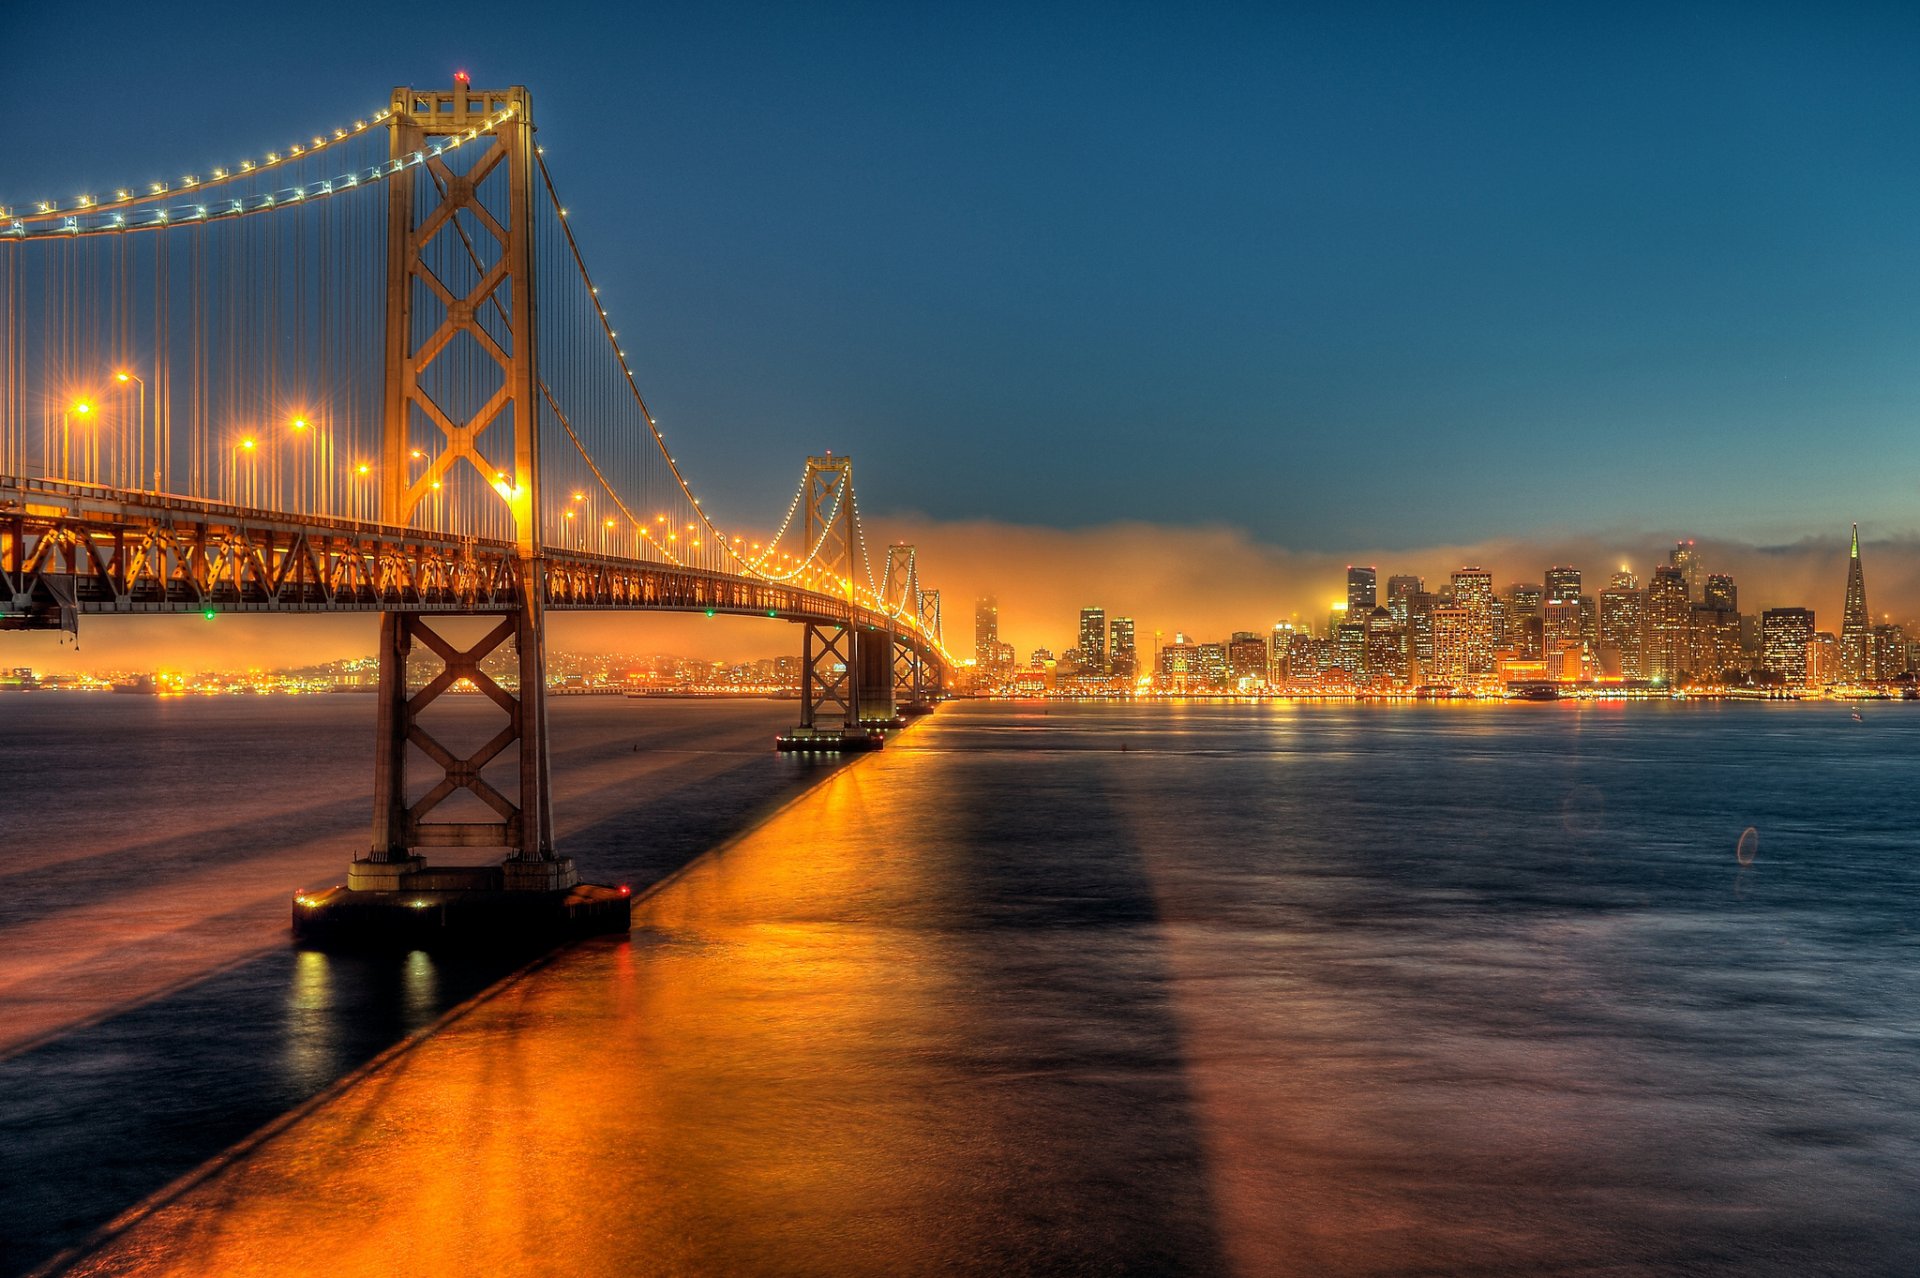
{"x": 1342, "y": 276}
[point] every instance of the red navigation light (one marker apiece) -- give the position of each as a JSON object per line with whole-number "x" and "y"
{"x": 461, "y": 77}
{"x": 625, "y": 890}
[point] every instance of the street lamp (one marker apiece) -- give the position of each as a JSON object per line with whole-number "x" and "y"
{"x": 135, "y": 466}
{"x": 81, "y": 409}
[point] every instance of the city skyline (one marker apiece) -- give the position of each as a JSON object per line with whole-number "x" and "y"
{"x": 1680, "y": 624}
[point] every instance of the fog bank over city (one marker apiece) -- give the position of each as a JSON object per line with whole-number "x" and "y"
{"x": 1204, "y": 580}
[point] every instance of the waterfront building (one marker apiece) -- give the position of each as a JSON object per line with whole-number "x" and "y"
{"x": 1473, "y": 592}
{"x": 1856, "y": 625}
{"x": 1420, "y": 606}
{"x": 1177, "y": 666}
{"x": 1210, "y": 660}
{"x": 1093, "y": 640}
{"x": 1247, "y": 658}
{"x": 1669, "y": 610}
{"x": 1121, "y": 658}
{"x": 1563, "y": 585}
{"x": 1713, "y": 639}
{"x": 1350, "y": 648}
{"x": 1687, "y": 560}
{"x": 1622, "y": 627}
{"x": 1886, "y": 653}
{"x": 1386, "y": 650}
{"x": 1280, "y": 653}
{"x": 1823, "y": 659}
{"x": 1303, "y": 659}
{"x": 1452, "y": 662}
{"x": 1361, "y": 596}
{"x": 1559, "y": 623}
{"x": 1784, "y": 636}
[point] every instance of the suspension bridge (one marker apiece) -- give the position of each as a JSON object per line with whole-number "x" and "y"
{"x": 371, "y": 372}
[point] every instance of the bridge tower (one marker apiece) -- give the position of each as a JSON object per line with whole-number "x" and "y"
{"x": 480, "y": 216}
{"x": 835, "y": 682}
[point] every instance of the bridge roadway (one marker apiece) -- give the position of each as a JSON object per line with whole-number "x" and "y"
{"x": 73, "y": 549}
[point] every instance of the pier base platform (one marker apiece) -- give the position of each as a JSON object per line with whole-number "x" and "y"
{"x": 915, "y": 709}
{"x": 406, "y": 905}
{"x": 828, "y": 741}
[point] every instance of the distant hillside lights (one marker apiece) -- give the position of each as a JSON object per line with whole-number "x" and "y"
{"x": 1680, "y": 634}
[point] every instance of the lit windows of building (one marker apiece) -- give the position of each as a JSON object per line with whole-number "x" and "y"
{"x": 1121, "y": 657}
{"x": 1563, "y": 585}
{"x": 1823, "y": 659}
{"x": 1361, "y": 592}
{"x": 1452, "y": 661}
{"x": 1400, "y": 591}
{"x": 1210, "y": 659}
{"x": 1093, "y": 640}
{"x": 1247, "y": 658}
{"x": 1784, "y": 636}
{"x": 1886, "y": 653}
{"x": 1669, "y": 610}
{"x": 1686, "y": 559}
{"x": 1473, "y": 592}
{"x": 1721, "y": 593}
{"x": 1622, "y": 628}
{"x": 1713, "y": 639}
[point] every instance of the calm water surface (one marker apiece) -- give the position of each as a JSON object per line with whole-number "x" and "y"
{"x": 1345, "y": 990}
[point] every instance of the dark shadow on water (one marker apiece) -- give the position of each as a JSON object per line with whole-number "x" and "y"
{"x": 98, "y": 1119}
{"x": 1071, "y": 1031}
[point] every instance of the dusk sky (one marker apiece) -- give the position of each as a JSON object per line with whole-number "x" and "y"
{"x": 1336, "y": 281}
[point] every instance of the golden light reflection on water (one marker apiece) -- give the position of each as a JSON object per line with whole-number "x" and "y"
{"x": 762, "y": 1056}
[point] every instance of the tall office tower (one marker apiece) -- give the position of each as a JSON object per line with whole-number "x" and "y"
{"x": 1622, "y": 627}
{"x": 987, "y": 667}
{"x": 1721, "y": 593}
{"x": 1473, "y": 591}
{"x": 1623, "y": 580}
{"x": 1687, "y": 560}
{"x": 1784, "y": 635}
{"x": 1856, "y": 627}
{"x": 1303, "y": 659}
{"x": 1560, "y": 623}
{"x": 1589, "y": 622}
{"x": 1401, "y": 588}
{"x": 1713, "y": 643}
{"x": 1386, "y": 649}
{"x": 986, "y": 627}
{"x": 1452, "y": 647}
{"x": 1420, "y": 606}
{"x": 1093, "y": 639}
{"x": 1520, "y": 620}
{"x": 1361, "y": 596}
{"x": 1823, "y": 659}
{"x": 1280, "y": 654}
{"x": 1121, "y": 658}
{"x": 1563, "y": 585}
{"x": 1247, "y": 657}
{"x": 1211, "y": 660}
{"x": 1887, "y": 653}
{"x": 1664, "y": 652}
{"x": 1350, "y": 649}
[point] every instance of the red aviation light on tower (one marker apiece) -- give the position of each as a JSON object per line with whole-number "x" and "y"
{"x": 461, "y": 77}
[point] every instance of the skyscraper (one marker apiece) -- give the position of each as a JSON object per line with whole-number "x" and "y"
{"x": 1452, "y": 646}
{"x": 1784, "y": 635}
{"x": 1665, "y": 654}
{"x": 1856, "y": 628}
{"x": 1473, "y": 591}
{"x": 1361, "y": 593}
{"x": 1400, "y": 589}
{"x": 1093, "y": 639}
{"x": 1121, "y": 658}
{"x": 986, "y": 640}
{"x": 1721, "y": 592}
{"x": 1563, "y": 585}
{"x": 1622, "y": 625}
{"x": 1247, "y": 657}
{"x": 1687, "y": 560}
